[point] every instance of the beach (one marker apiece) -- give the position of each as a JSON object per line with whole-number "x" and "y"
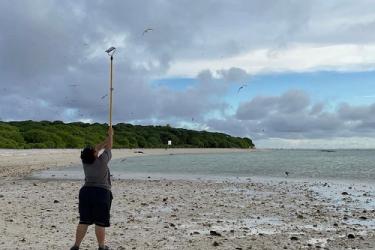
{"x": 182, "y": 214}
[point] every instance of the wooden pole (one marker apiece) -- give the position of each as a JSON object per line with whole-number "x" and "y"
{"x": 110, "y": 94}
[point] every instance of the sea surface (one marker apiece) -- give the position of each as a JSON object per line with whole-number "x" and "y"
{"x": 341, "y": 165}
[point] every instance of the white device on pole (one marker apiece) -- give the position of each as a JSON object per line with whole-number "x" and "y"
{"x": 169, "y": 143}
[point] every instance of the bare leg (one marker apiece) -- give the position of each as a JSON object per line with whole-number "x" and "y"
{"x": 100, "y": 235}
{"x": 80, "y": 233}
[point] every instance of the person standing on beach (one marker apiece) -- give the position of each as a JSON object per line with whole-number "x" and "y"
{"x": 95, "y": 196}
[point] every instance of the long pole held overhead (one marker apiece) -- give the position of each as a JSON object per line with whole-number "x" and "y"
{"x": 110, "y": 52}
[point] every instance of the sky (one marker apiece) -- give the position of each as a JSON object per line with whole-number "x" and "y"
{"x": 287, "y": 74}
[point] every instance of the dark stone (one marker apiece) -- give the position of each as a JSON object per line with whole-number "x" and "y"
{"x": 363, "y": 218}
{"x": 294, "y": 238}
{"x": 215, "y": 244}
{"x": 56, "y": 201}
{"x": 344, "y": 193}
{"x": 351, "y": 236}
{"x": 214, "y": 233}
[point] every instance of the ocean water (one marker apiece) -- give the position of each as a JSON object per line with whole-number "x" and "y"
{"x": 353, "y": 165}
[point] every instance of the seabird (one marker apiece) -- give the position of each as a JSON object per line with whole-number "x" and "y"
{"x": 286, "y": 173}
{"x": 243, "y": 86}
{"x": 146, "y": 30}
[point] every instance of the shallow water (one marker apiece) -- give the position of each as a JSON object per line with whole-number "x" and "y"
{"x": 353, "y": 165}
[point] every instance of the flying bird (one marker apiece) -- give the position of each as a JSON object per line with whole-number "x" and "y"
{"x": 104, "y": 96}
{"x": 239, "y": 89}
{"x": 146, "y": 30}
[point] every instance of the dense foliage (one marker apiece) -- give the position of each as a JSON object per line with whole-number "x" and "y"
{"x": 46, "y": 134}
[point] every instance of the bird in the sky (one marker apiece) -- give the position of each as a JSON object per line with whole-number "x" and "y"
{"x": 239, "y": 89}
{"x": 146, "y": 30}
{"x": 104, "y": 96}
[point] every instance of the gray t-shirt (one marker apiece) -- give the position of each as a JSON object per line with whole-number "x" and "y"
{"x": 97, "y": 174}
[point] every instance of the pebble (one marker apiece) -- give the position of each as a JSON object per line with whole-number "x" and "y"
{"x": 214, "y": 233}
{"x": 351, "y": 236}
{"x": 215, "y": 244}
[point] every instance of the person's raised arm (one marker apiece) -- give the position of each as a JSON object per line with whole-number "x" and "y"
{"x": 107, "y": 143}
{"x": 101, "y": 145}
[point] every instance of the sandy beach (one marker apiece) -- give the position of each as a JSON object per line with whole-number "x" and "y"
{"x": 171, "y": 214}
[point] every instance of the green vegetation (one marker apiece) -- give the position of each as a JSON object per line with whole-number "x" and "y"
{"x": 46, "y": 134}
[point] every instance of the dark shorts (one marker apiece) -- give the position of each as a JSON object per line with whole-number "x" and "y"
{"x": 94, "y": 206}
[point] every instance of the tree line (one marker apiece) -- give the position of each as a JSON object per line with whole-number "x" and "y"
{"x": 57, "y": 134}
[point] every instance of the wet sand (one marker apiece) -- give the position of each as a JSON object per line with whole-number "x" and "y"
{"x": 170, "y": 214}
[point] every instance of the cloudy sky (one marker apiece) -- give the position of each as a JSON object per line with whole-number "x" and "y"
{"x": 287, "y": 74}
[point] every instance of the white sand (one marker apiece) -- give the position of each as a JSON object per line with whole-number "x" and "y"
{"x": 164, "y": 214}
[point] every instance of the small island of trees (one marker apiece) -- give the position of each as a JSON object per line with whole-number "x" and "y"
{"x": 57, "y": 134}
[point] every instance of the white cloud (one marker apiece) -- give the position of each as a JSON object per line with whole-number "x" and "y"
{"x": 294, "y": 58}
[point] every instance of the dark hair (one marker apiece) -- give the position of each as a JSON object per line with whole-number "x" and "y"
{"x": 88, "y": 155}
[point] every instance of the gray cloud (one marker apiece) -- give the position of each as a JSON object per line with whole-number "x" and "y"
{"x": 292, "y": 115}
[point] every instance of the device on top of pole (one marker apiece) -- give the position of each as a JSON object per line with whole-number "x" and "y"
{"x": 110, "y": 52}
